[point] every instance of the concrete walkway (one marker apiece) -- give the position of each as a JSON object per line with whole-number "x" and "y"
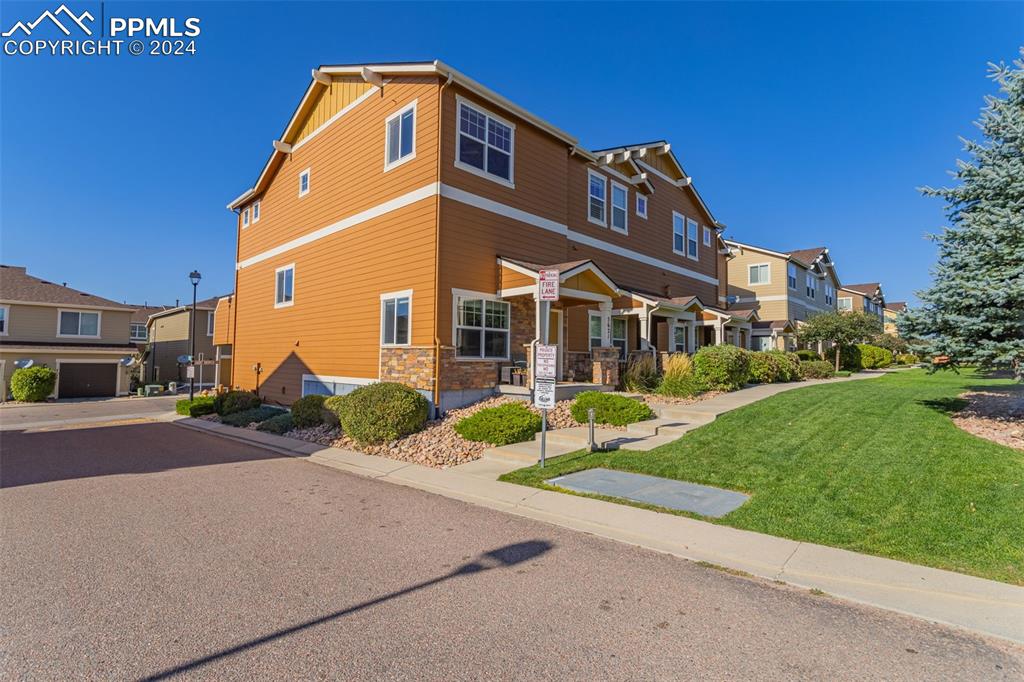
{"x": 982, "y": 605}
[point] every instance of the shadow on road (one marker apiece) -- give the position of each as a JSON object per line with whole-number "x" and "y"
{"x": 503, "y": 557}
{"x": 43, "y": 455}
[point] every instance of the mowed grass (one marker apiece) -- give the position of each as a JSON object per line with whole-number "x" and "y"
{"x": 873, "y": 466}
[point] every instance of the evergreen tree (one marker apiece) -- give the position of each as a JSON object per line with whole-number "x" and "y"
{"x": 974, "y": 310}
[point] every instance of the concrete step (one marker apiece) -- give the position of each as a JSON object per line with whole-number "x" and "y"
{"x": 689, "y": 414}
{"x": 527, "y": 452}
{"x": 659, "y": 426}
{"x": 578, "y": 437}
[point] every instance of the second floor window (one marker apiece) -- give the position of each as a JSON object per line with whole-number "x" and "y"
{"x": 304, "y": 183}
{"x": 3, "y": 320}
{"x": 209, "y": 322}
{"x": 284, "y": 287}
{"x": 707, "y": 236}
{"x": 758, "y": 274}
{"x": 401, "y": 137}
{"x": 245, "y": 218}
{"x": 846, "y": 303}
{"x": 620, "y": 197}
{"x": 394, "y": 322}
{"x": 74, "y": 323}
{"x": 791, "y": 276}
{"x": 691, "y": 239}
{"x": 641, "y": 205}
{"x": 678, "y": 233}
{"x": 812, "y": 285}
{"x": 830, "y": 294}
{"x": 596, "y": 192}
{"x": 256, "y": 212}
{"x": 138, "y": 331}
{"x": 484, "y": 144}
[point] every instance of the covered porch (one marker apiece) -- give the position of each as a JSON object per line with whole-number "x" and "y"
{"x": 774, "y": 335}
{"x": 732, "y": 327}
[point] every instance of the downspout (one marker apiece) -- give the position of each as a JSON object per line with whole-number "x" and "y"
{"x": 437, "y": 249}
{"x": 234, "y": 308}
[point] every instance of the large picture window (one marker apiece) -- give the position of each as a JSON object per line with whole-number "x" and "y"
{"x": 395, "y": 315}
{"x": 481, "y": 328}
{"x": 76, "y": 323}
{"x": 484, "y": 144}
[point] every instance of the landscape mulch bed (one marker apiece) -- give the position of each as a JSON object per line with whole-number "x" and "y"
{"x": 995, "y": 415}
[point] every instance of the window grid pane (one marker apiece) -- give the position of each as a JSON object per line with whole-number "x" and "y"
{"x": 69, "y": 324}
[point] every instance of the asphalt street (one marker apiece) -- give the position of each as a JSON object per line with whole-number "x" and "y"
{"x": 146, "y": 550}
{"x": 19, "y": 416}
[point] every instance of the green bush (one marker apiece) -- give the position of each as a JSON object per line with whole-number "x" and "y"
{"x": 251, "y": 416}
{"x": 816, "y": 369}
{"x": 382, "y": 412}
{"x": 332, "y": 408}
{"x": 279, "y": 424}
{"x": 195, "y": 408}
{"x": 678, "y": 380}
{"x": 721, "y": 368}
{"x": 874, "y": 357}
{"x": 843, "y": 373}
{"x": 768, "y": 367}
{"x": 791, "y": 365}
{"x": 235, "y": 401}
{"x": 33, "y": 384}
{"x": 849, "y": 358}
{"x": 509, "y": 423}
{"x": 907, "y": 359}
{"x": 805, "y": 354}
{"x": 641, "y": 375}
{"x": 308, "y": 411}
{"x": 609, "y": 408}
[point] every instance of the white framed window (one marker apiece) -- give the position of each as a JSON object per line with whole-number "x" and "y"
{"x": 830, "y": 294}
{"x": 812, "y": 285}
{"x": 759, "y": 273}
{"x": 707, "y": 236}
{"x": 481, "y": 327}
{"x": 395, "y": 318}
{"x": 256, "y": 211}
{"x": 678, "y": 233}
{"x": 138, "y": 332}
{"x": 791, "y": 275}
{"x": 597, "y": 203}
{"x": 763, "y": 343}
{"x": 620, "y": 213}
{"x": 641, "y": 205}
{"x": 284, "y": 286}
{"x": 691, "y": 239}
{"x": 245, "y": 217}
{"x": 304, "y": 183}
{"x": 80, "y": 323}
{"x": 209, "y": 322}
{"x": 619, "y": 335}
{"x": 400, "y": 137}
{"x": 845, "y": 303}
{"x": 485, "y": 144}
{"x": 679, "y": 338}
{"x": 5, "y": 312}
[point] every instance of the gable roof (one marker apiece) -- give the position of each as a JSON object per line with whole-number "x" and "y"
{"x": 17, "y": 286}
{"x": 808, "y": 256}
{"x": 205, "y": 304}
{"x": 142, "y": 312}
{"x": 897, "y": 306}
{"x": 868, "y": 289}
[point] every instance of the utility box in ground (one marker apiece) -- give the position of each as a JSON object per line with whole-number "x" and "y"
{"x": 153, "y": 389}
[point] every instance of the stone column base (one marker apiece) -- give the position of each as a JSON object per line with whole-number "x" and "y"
{"x": 605, "y": 366}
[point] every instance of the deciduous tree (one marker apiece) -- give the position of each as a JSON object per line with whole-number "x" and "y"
{"x": 839, "y": 328}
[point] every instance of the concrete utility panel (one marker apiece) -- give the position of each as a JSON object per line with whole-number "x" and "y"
{"x": 664, "y": 492}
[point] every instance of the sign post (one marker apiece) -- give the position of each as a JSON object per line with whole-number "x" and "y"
{"x": 545, "y": 357}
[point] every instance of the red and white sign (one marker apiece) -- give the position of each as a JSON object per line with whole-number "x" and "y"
{"x": 547, "y": 361}
{"x": 547, "y": 285}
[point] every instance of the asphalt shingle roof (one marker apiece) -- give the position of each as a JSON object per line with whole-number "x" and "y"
{"x": 17, "y": 285}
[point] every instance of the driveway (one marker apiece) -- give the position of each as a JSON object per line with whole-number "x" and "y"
{"x": 147, "y": 550}
{"x": 83, "y": 411}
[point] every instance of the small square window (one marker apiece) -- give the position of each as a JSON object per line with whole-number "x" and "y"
{"x": 304, "y": 183}
{"x": 641, "y": 205}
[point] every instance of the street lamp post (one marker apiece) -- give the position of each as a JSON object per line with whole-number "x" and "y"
{"x": 195, "y": 277}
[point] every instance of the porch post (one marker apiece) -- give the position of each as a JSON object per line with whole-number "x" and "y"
{"x": 719, "y": 332}
{"x": 737, "y": 336}
{"x": 605, "y": 307}
{"x": 645, "y": 329}
{"x": 691, "y": 336}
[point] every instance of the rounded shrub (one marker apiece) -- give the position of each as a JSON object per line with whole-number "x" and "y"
{"x": 508, "y": 423}
{"x": 807, "y": 354}
{"x": 236, "y": 401}
{"x": 33, "y": 384}
{"x": 721, "y": 368}
{"x": 641, "y": 375}
{"x": 677, "y": 379}
{"x": 609, "y": 408}
{"x": 816, "y": 369}
{"x": 874, "y": 357}
{"x": 307, "y": 411}
{"x": 332, "y": 408}
{"x": 907, "y": 359}
{"x": 279, "y": 424}
{"x": 195, "y": 408}
{"x": 849, "y": 358}
{"x": 766, "y": 367}
{"x": 382, "y": 412}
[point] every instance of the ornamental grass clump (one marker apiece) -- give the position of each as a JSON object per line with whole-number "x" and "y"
{"x": 677, "y": 379}
{"x": 617, "y": 410}
{"x": 33, "y": 384}
{"x": 508, "y": 423}
{"x": 641, "y": 375}
{"x": 382, "y": 412}
{"x": 721, "y": 368}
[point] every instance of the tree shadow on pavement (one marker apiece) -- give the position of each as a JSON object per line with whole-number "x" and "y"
{"x": 503, "y": 557}
{"x": 43, "y": 455}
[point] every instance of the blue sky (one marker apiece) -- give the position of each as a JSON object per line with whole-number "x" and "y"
{"x": 801, "y": 124}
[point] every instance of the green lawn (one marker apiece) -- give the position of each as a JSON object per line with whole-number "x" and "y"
{"x": 873, "y": 466}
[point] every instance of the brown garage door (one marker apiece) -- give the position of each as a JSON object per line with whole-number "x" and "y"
{"x": 87, "y": 379}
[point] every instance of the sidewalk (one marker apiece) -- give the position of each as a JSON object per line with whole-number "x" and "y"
{"x": 985, "y": 606}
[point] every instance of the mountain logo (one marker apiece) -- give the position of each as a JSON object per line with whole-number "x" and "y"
{"x": 69, "y": 16}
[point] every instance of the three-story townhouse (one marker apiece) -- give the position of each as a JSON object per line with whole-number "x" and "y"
{"x": 399, "y": 228}
{"x": 863, "y": 298}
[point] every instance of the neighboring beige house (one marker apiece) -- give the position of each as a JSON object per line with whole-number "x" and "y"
{"x": 863, "y": 298}
{"x": 85, "y": 338}
{"x": 784, "y": 287}
{"x": 168, "y": 332}
{"x": 138, "y": 332}
{"x": 892, "y": 313}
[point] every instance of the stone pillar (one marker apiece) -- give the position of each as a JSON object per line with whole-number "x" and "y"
{"x": 605, "y": 366}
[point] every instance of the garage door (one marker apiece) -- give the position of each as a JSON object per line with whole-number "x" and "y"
{"x": 87, "y": 379}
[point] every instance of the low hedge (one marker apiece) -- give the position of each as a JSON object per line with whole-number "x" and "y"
{"x": 907, "y": 359}
{"x": 843, "y": 373}
{"x": 382, "y": 412}
{"x": 279, "y": 424}
{"x": 509, "y": 423}
{"x": 33, "y": 384}
{"x": 816, "y": 369}
{"x": 251, "y": 416}
{"x": 609, "y": 408}
{"x": 308, "y": 411}
{"x": 721, "y": 368}
{"x": 773, "y": 366}
{"x": 235, "y": 401}
{"x": 196, "y": 408}
{"x": 806, "y": 354}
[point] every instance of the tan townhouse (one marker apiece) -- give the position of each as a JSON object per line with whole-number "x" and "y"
{"x": 398, "y": 230}
{"x": 168, "y": 340}
{"x": 84, "y": 338}
{"x": 891, "y": 314}
{"x": 785, "y": 287}
{"x": 863, "y": 298}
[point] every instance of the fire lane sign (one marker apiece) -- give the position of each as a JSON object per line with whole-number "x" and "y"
{"x": 548, "y": 285}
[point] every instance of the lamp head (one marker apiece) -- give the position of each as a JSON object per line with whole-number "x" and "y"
{"x": 195, "y": 277}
